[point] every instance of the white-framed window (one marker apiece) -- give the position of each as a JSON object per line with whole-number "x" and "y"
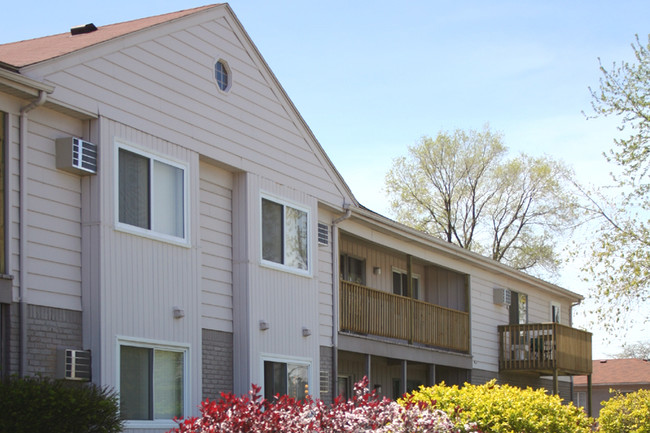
{"x": 151, "y": 195}
{"x": 285, "y": 235}
{"x": 400, "y": 281}
{"x": 290, "y": 377}
{"x": 581, "y": 399}
{"x": 556, "y": 312}
{"x": 153, "y": 382}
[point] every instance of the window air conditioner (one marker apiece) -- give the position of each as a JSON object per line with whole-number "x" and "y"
{"x": 74, "y": 364}
{"x": 76, "y": 155}
{"x": 502, "y": 296}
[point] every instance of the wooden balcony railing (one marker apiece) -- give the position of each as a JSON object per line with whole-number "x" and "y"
{"x": 544, "y": 348}
{"x": 373, "y": 312}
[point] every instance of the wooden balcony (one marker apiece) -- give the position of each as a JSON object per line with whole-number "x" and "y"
{"x": 544, "y": 348}
{"x": 368, "y": 311}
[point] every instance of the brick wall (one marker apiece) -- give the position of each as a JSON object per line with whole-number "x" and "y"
{"x": 327, "y": 367}
{"x": 48, "y": 329}
{"x": 217, "y": 363}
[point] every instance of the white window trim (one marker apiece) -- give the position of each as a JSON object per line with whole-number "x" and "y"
{"x": 290, "y": 360}
{"x": 161, "y": 345}
{"x": 139, "y": 231}
{"x": 310, "y": 240}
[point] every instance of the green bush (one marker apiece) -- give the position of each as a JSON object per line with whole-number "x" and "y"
{"x": 504, "y": 409}
{"x": 629, "y": 413}
{"x": 38, "y": 404}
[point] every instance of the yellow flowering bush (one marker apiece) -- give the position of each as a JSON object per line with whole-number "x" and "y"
{"x": 629, "y": 413}
{"x": 493, "y": 408}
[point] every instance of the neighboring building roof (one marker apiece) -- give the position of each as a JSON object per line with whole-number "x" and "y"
{"x": 617, "y": 372}
{"x": 29, "y": 52}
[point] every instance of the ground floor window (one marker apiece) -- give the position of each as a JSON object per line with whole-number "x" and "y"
{"x": 152, "y": 381}
{"x": 286, "y": 378}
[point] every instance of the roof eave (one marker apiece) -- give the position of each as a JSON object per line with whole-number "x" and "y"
{"x": 463, "y": 254}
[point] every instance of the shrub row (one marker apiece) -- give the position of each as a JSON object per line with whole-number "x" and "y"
{"x": 39, "y": 404}
{"x": 629, "y": 413}
{"x": 504, "y": 409}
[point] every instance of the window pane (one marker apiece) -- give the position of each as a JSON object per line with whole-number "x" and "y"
{"x": 134, "y": 189}
{"x": 297, "y": 381}
{"x": 275, "y": 379}
{"x": 168, "y": 201}
{"x": 397, "y": 283}
{"x": 272, "y": 248}
{"x": 357, "y": 271}
{"x": 296, "y": 238}
{"x": 168, "y": 384}
{"x": 135, "y": 382}
{"x": 523, "y": 308}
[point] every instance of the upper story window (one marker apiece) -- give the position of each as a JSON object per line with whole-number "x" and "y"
{"x": 556, "y": 312}
{"x": 222, "y": 75}
{"x": 153, "y": 383}
{"x": 285, "y": 235}
{"x": 518, "y": 309}
{"x": 151, "y": 195}
{"x": 353, "y": 269}
{"x": 400, "y": 281}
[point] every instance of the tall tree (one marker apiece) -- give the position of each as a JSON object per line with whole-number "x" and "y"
{"x": 461, "y": 187}
{"x": 639, "y": 350}
{"x": 618, "y": 264}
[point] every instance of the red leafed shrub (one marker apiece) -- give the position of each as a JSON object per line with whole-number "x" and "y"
{"x": 364, "y": 412}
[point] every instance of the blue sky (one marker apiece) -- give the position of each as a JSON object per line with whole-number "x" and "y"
{"x": 372, "y": 77}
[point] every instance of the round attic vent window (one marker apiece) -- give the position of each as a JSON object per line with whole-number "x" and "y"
{"x": 222, "y": 75}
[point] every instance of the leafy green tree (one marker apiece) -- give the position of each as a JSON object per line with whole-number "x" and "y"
{"x": 462, "y": 188}
{"x": 618, "y": 264}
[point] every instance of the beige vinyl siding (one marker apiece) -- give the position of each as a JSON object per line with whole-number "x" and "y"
{"x": 249, "y": 128}
{"x": 287, "y": 301}
{"x": 53, "y": 226}
{"x": 142, "y": 279}
{"x": 325, "y": 281}
{"x": 216, "y": 247}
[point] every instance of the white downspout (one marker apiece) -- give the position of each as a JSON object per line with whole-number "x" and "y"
{"x": 22, "y": 218}
{"x": 335, "y": 295}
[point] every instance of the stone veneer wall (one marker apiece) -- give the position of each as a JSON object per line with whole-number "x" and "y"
{"x": 217, "y": 363}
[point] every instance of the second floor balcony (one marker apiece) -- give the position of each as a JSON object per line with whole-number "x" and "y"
{"x": 544, "y": 348}
{"x": 368, "y": 311}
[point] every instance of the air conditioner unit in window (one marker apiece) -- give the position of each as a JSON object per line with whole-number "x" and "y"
{"x": 74, "y": 364}
{"x": 502, "y": 296}
{"x": 76, "y": 155}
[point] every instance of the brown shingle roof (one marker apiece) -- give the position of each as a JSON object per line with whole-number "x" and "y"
{"x": 24, "y": 53}
{"x": 617, "y": 371}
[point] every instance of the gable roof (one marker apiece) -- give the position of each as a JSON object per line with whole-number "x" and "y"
{"x": 617, "y": 372}
{"x": 29, "y": 52}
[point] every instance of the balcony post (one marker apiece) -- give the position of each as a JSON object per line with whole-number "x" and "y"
{"x": 409, "y": 294}
{"x": 589, "y": 412}
{"x": 404, "y": 377}
{"x": 369, "y": 369}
